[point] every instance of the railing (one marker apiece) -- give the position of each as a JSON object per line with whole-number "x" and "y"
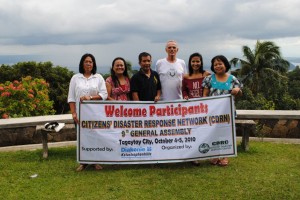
{"x": 35, "y": 121}
{"x": 268, "y": 114}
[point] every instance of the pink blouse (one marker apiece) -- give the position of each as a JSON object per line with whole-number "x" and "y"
{"x": 120, "y": 93}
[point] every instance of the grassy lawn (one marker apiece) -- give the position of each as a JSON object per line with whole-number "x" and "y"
{"x": 267, "y": 171}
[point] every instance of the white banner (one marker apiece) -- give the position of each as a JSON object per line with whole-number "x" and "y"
{"x": 145, "y": 132}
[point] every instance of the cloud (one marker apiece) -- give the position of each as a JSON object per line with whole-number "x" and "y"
{"x": 63, "y": 30}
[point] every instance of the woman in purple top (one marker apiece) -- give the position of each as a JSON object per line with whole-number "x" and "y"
{"x": 192, "y": 82}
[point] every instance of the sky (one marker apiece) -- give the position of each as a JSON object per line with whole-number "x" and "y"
{"x": 61, "y": 31}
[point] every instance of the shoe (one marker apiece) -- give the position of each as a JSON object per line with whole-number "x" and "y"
{"x": 98, "y": 167}
{"x": 223, "y": 162}
{"x": 81, "y": 167}
{"x": 196, "y": 163}
{"x": 214, "y": 161}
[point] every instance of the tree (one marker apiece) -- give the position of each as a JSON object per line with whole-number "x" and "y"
{"x": 28, "y": 97}
{"x": 263, "y": 61}
{"x": 264, "y": 72}
{"x": 57, "y": 77}
{"x": 294, "y": 83}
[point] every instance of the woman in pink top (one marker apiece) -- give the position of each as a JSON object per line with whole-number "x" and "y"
{"x": 192, "y": 82}
{"x": 118, "y": 84}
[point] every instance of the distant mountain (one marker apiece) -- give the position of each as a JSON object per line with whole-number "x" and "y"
{"x": 293, "y": 64}
{"x": 292, "y": 67}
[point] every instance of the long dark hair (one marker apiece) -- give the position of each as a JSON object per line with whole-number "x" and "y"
{"x": 113, "y": 74}
{"x": 190, "y": 66}
{"x": 81, "y": 69}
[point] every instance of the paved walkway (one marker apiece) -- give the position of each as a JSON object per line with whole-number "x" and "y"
{"x": 31, "y": 147}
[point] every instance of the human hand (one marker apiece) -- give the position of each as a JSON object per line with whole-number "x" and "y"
{"x": 186, "y": 97}
{"x": 74, "y": 116}
{"x": 156, "y": 98}
{"x": 85, "y": 98}
{"x": 235, "y": 91}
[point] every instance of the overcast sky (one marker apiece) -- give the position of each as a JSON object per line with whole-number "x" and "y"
{"x": 61, "y": 31}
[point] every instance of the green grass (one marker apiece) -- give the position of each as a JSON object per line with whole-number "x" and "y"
{"x": 267, "y": 171}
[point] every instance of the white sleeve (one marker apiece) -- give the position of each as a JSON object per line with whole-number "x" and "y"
{"x": 72, "y": 93}
{"x": 157, "y": 65}
{"x": 102, "y": 88}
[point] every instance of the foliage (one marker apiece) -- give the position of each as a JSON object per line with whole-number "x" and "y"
{"x": 260, "y": 173}
{"x": 264, "y": 73}
{"x": 105, "y": 76}
{"x": 294, "y": 83}
{"x": 265, "y": 60}
{"x": 57, "y": 77}
{"x": 29, "y": 97}
{"x": 287, "y": 102}
{"x": 250, "y": 102}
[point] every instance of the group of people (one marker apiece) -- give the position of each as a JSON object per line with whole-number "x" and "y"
{"x": 169, "y": 81}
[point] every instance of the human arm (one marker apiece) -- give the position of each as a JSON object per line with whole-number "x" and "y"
{"x": 206, "y": 73}
{"x": 135, "y": 96}
{"x": 109, "y": 88}
{"x": 73, "y": 111}
{"x": 72, "y": 99}
{"x": 205, "y": 92}
{"x": 206, "y": 86}
{"x": 109, "y": 92}
{"x": 158, "y": 88}
{"x": 185, "y": 90}
{"x": 157, "y": 97}
{"x": 236, "y": 92}
{"x": 102, "y": 95}
{"x": 237, "y": 87}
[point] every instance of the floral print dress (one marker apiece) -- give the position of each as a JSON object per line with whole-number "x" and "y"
{"x": 120, "y": 93}
{"x": 217, "y": 88}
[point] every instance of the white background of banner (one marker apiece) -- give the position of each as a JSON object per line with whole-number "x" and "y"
{"x": 109, "y": 144}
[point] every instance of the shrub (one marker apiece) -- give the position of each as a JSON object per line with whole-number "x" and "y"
{"x": 28, "y": 97}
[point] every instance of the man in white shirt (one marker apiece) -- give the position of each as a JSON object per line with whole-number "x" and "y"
{"x": 171, "y": 71}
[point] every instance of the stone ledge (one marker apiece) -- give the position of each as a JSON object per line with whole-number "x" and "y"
{"x": 31, "y": 135}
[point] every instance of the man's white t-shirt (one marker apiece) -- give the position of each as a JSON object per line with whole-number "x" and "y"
{"x": 171, "y": 75}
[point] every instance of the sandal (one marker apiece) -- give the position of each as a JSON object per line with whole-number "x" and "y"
{"x": 98, "y": 167}
{"x": 223, "y": 162}
{"x": 214, "y": 161}
{"x": 81, "y": 167}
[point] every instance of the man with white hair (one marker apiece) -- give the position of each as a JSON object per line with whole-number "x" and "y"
{"x": 171, "y": 71}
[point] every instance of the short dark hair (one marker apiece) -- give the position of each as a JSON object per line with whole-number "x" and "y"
{"x": 81, "y": 69}
{"x": 113, "y": 74}
{"x": 144, "y": 54}
{"x": 221, "y": 58}
{"x": 190, "y": 66}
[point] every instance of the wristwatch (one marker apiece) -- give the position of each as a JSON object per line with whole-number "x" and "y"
{"x": 91, "y": 97}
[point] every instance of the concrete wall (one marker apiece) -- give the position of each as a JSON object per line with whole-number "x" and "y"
{"x": 279, "y": 128}
{"x": 32, "y": 135}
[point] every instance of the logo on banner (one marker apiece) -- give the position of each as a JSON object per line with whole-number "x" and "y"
{"x": 203, "y": 148}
